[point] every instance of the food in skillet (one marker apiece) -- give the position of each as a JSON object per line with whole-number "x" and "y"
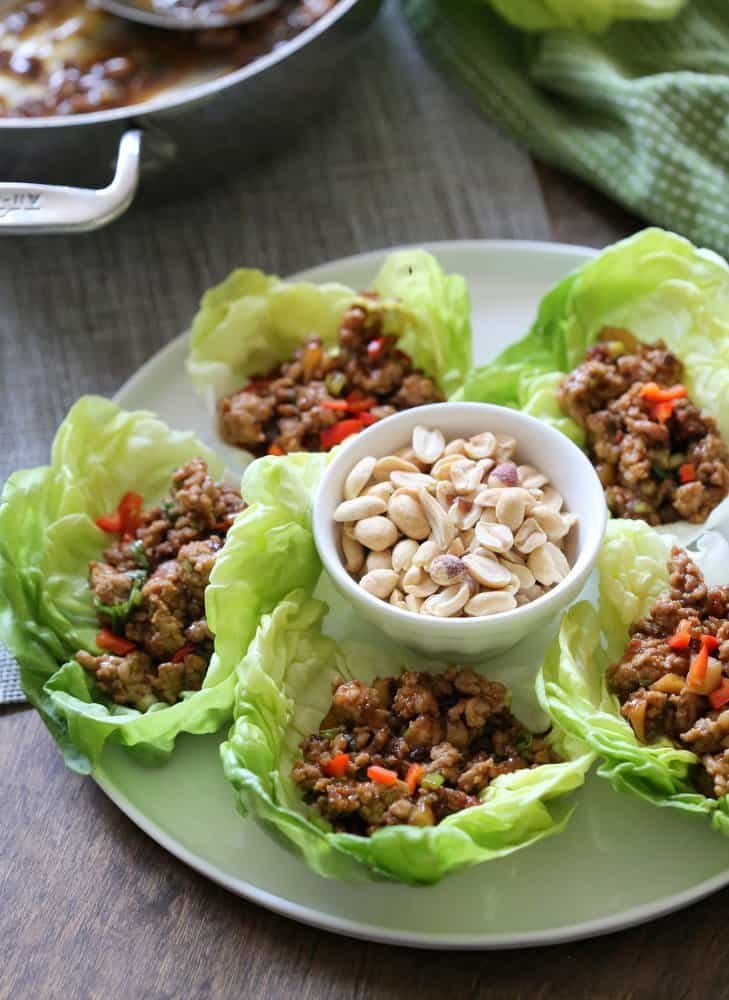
{"x": 643, "y": 676}
{"x": 114, "y": 578}
{"x": 320, "y": 398}
{"x": 366, "y": 705}
{"x": 291, "y": 366}
{"x": 673, "y": 678}
{"x": 412, "y": 749}
{"x": 149, "y": 589}
{"x": 659, "y": 457}
{"x": 654, "y": 413}
{"x": 66, "y": 57}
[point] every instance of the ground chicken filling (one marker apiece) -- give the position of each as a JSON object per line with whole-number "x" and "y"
{"x": 673, "y": 679}
{"x": 412, "y": 749}
{"x": 149, "y": 590}
{"x": 322, "y": 397}
{"x": 657, "y": 455}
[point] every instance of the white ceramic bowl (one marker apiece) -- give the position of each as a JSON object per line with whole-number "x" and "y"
{"x": 568, "y": 470}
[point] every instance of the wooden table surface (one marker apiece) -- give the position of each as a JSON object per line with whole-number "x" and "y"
{"x": 90, "y": 906}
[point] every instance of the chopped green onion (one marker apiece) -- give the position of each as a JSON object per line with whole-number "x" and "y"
{"x": 661, "y": 473}
{"x": 642, "y": 507}
{"x": 139, "y": 553}
{"x": 328, "y": 734}
{"x": 432, "y": 780}
{"x": 524, "y": 742}
{"x": 167, "y": 507}
{"x": 616, "y": 347}
{"x": 335, "y": 382}
{"x": 118, "y": 613}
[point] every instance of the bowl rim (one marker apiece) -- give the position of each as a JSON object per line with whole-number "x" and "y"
{"x": 557, "y": 597}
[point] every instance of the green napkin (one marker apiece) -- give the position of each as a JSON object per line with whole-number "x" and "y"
{"x": 640, "y": 110}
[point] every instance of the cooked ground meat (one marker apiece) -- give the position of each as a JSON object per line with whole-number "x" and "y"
{"x": 412, "y": 749}
{"x": 150, "y": 593}
{"x": 661, "y": 461}
{"x": 196, "y": 508}
{"x": 302, "y": 405}
{"x": 669, "y": 688}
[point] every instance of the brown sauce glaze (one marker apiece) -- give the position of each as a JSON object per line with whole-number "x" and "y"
{"x": 65, "y": 57}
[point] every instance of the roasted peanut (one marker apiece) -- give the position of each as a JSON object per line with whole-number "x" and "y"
{"x": 379, "y": 560}
{"x": 428, "y": 444}
{"x": 380, "y": 582}
{"x": 445, "y": 569}
{"x": 402, "y": 554}
{"x": 376, "y": 533}
{"x": 487, "y": 570}
{"x": 359, "y": 507}
{"x": 407, "y": 514}
{"x": 383, "y": 468}
{"x": 490, "y": 603}
{"x": 358, "y": 477}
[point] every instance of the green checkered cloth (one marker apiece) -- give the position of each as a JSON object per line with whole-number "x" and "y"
{"x": 641, "y": 111}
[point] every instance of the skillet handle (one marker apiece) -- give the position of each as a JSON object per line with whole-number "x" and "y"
{"x": 27, "y": 209}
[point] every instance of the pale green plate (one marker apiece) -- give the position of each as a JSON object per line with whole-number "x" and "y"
{"x": 619, "y": 862}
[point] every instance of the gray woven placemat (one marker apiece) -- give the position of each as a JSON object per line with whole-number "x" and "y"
{"x": 10, "y": 692}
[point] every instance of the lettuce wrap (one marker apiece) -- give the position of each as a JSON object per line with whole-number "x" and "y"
{"x": 253, "y": 321}
{"x": 572, "y": 684}
{"x": 48, "y": 536}
{"x": 656, "y": 285}
{"x": 284, "y": 690}
{"x": 582, "y": 15}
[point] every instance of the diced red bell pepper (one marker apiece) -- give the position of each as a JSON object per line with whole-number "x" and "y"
{"x": 382, "y": 775}
{"x": 275, "y": 449}
{"x": 126, "y": 518}
{"x": 699, "y": 666}
{"x": 368, "y": 419}
{"x": 681, "y": 639}
{"x": 110, "y": 523}
{"x": 655, "y": 394}
{"x": 181, "y": 653}
{"x": 337, "y": 766}
{"x": 700, "y": 662}
{"x": 335, "y": 404}
{"x": 335, "y": 434}
{"x": 687, "y": 473}
{"x": 361, "y": 405}
{"x": 662, "y": 411}
{"x": 720, "y": 697}
{"x": 413, "y": 777}
{"x": 105, "y": 639}
{"x": 130, "y": 512}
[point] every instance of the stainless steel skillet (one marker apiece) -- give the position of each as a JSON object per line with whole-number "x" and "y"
{"x": 183, "y": 138}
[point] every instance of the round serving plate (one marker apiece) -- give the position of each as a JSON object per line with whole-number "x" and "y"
{"x": 597, "y": 876}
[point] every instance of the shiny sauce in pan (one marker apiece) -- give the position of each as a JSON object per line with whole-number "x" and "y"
{"x": 64, "y": 57}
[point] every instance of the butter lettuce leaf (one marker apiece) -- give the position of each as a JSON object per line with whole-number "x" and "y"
{"x": 48, "y": 536}
{"x": 633, "y": 572}
{"x": 253, "y": 321}
{"x": 656, "y": 285}
{"x": 284, "y": 690}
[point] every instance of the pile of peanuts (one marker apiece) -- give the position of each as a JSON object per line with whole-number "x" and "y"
{"x": 453, "y": 529}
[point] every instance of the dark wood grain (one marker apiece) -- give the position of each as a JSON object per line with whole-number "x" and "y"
{"x": 90, "y": 907}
